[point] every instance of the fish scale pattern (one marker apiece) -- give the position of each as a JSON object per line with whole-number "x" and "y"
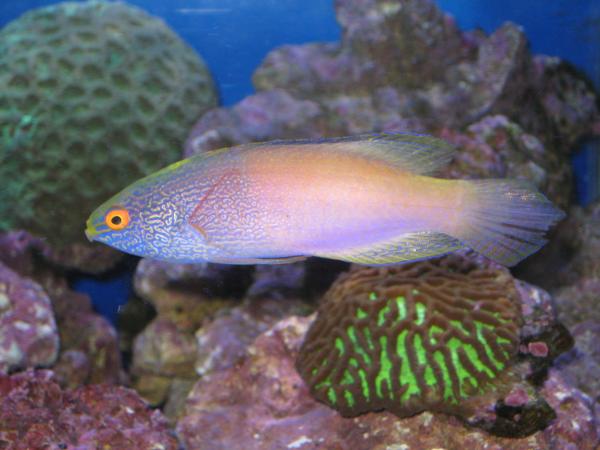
{"x": 427, "y": 336}
{"x": 96, "y": 94}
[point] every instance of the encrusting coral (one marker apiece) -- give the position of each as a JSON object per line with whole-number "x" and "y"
{"x": 426, "y": 336}
{"x": 96, "y": 95}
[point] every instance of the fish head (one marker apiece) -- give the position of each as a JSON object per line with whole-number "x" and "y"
{"x": 141, "y": 220}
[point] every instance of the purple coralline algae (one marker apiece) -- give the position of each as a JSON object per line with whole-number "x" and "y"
{"x": 36, "y": 414}
{"x": 405, "y": 65}
{"x": 577, "y": 295}
{"x": 224, "y": 342}
{"x": 89, "y": 350}
{"x": 25, "y": 253}
{"x": 581, "y": 366}
{"x": 220, "y": 355}
{"x": 581, "y": 243}
{"x": 184, "y": 296}
{"x": 167, "y": 357}
{"x": 28, "y": 332}
{"x": 264, "y": 404}
{"x": 90, "y": 338}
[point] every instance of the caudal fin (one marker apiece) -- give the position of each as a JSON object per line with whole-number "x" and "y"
{"x": 505, "y": 220}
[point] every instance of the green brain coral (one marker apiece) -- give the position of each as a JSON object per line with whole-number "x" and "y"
{"x": 94, "y": 95}
{"x": 426, "y": 336}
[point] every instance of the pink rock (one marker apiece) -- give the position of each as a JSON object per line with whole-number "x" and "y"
{"x": 579, "y": 274}
{"x": 569, "y": 103}
{"x": 72, "y": 368}
{"x": 581, "y": 366}
{"x": 575, "y": 426}
{"x": 539, "y": 349}
{"x": 498, "y": 147}
{"x": 22, "y": 251}
{"x": 517, "y": 397}
{"x": 89, "y": 336}
{"x": 224, "y": 342}
{"x": 36, "y": 414}
{"x": 163, "y": 349}
{"x": 263, "y": 404}
{"x": 266, "y": 115}
{"x": 189, "y": 294}
{"x": 576, "y": 302}
{"x": 28, "y": 332}
{"x": 73, "y": 320}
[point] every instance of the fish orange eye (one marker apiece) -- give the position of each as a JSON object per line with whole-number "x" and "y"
{"x": 117, "y": 219}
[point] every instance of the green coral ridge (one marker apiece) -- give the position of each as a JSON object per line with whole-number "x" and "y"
{"x": 95, "y": 95}
{"x": 424, "y": 336}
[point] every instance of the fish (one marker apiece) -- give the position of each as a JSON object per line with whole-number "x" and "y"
{"x": 368, "y": 199}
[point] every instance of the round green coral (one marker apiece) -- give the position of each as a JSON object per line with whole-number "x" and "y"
{"x": 95, "y": 95}
{"x": 425, "y": 336}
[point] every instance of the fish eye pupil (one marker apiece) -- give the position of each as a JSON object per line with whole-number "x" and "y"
{"x": 117, "y": 219}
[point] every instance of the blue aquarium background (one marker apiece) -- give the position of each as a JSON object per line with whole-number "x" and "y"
{"x": 233, "y": 36}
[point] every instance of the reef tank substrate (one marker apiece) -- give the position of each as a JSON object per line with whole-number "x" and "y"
{"x": 99, "y": 349}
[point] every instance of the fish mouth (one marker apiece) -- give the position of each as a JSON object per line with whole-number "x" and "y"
{"x": 91, "y": 231}
{"x": 90, "y": 234}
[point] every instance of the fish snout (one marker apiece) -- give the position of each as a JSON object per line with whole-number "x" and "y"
{"x": 90, "y": 233}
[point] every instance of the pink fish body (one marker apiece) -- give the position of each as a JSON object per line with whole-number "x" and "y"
{"x": 365, "y": 199}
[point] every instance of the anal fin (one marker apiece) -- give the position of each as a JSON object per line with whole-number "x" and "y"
{"x": 248, "y": 261}
{"x": 405, "y": 248}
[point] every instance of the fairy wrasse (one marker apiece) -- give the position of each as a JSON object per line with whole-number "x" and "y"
{"x": 366, "y": 199}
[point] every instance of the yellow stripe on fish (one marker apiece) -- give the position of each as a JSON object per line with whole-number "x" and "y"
{"x": 367, "y": 199}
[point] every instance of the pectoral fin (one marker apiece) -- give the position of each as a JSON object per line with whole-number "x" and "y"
{"x": 202, "y": 218}
{"x": 200, "y": 230}
{"x": 406, "y": 248}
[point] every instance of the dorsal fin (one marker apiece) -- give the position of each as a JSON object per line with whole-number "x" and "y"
{"x": 416, "y": 153}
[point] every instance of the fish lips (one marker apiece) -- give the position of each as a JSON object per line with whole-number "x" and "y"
{"x": 90, "y": 234}
{"x": 92, "y": 230}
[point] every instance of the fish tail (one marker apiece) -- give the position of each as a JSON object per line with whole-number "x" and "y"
{"x": 505, "y": 220}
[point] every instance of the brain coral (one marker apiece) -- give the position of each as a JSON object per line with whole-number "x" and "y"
{"x": 431, "y": 335}
{"x": 94, "y": 96}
